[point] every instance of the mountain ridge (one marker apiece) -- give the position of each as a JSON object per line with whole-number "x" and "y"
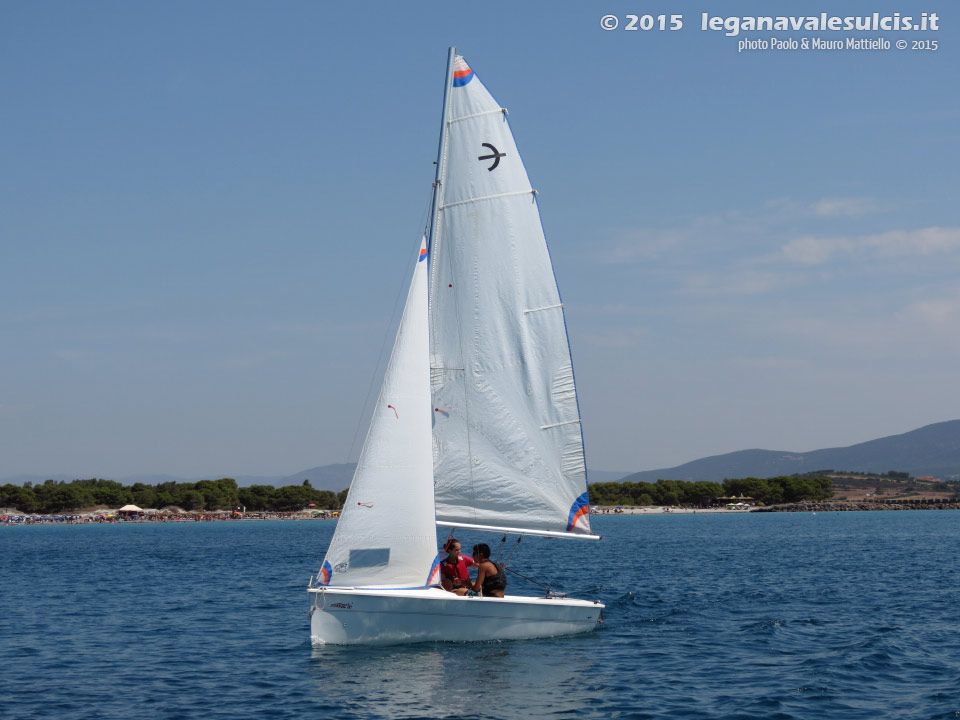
{"x": 930, "y": 450}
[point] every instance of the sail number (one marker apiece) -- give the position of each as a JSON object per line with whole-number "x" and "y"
{"x": 643, "y": 22}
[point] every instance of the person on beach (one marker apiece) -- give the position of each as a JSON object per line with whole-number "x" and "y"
{"x": 454, "y": 572}
{"x": 491, "y": 577}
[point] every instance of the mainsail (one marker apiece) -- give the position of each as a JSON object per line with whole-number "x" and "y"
{"x": 386, "y": 534}
{"x": 507, "y": 442}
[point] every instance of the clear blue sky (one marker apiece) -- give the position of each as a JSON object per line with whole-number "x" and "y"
{"x": 208, "y": 208}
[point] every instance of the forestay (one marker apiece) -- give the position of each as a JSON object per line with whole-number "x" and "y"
{"x": 508, "y": 449}
{"x": 386, "y": 534}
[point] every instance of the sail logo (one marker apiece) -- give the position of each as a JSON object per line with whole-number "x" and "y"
{"x": 462, "y": 74}
{"x": 326, "y": 572}
{"x": 494, "y": 155}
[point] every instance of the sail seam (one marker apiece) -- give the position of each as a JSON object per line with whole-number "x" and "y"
{"x": 479, "y": 114}
{"x": 568, "y": 422}
{"x": 546, "y": 307}
{"x": 488, "y": 197}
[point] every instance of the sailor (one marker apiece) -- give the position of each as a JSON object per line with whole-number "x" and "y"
{"x": 454, "y": 573}
{"x": 491, "y": 576}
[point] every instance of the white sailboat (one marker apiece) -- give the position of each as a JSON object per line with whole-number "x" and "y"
{"x": 477, "y": 425}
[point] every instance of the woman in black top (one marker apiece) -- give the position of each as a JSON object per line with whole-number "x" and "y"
{"x": 491, "y": 579}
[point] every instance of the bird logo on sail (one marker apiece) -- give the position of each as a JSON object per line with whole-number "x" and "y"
{"x": 494, "y": 155}
{"x": 462, "y": 74}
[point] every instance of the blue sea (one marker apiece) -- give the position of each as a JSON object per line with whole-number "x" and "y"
{"x": 827, "y": 615}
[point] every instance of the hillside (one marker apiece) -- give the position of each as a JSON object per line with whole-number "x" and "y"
{"x": 930, "y": 450}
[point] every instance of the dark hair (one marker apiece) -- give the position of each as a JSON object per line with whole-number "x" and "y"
{"x": 448, "y": 543}
{"x": 481, "y": 549}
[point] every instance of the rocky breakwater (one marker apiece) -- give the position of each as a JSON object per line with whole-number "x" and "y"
{"x": 848, "y": 506}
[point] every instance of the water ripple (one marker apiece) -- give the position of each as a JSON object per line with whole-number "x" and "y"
{"x": 772, "y": 616}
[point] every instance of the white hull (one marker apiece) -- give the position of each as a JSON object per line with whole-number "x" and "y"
{"x": 371, "y": 616}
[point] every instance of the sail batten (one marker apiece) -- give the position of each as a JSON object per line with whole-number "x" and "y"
{"x": 479, "y": 114}
{"x": 541, "y": 309}
{"x": 565, "y": 422}
{"x": 488, "y": 197}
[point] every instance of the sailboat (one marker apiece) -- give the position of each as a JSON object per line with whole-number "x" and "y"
{"x": 477, "y": 426}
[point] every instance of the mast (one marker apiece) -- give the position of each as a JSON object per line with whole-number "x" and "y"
{"x": 438, "y": 179}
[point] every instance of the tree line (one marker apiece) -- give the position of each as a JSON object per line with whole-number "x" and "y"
{"x": 57, "y": 497}
{"x": 769, "y": 491}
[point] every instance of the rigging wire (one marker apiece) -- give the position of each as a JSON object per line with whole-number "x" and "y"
{"x": 531, "y": 580}
{"x": 515, "y": 548}
{"x": 500, "y": 550}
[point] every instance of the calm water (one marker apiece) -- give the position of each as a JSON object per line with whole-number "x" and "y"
{"x": 851, "y": 615}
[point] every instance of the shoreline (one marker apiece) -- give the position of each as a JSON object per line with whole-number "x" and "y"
{"x": 99, "y": 517}
{"x": 665, "y": 510}
{"x": 111, "y": 517}
{"x": 820, "y": 506}
{"x": 853, "y": 506}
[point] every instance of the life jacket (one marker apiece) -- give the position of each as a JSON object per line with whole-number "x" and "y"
{"x": 496, "y": 582}
{"x": 458, "y": 571}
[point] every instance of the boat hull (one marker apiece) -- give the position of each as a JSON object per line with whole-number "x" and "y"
{"x": 347, "y": 616}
